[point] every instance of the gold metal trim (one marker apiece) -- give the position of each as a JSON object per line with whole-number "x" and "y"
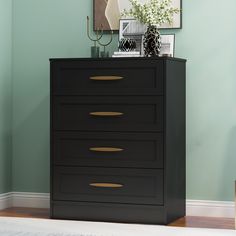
{"x": 106, "y": 78}
{"x": 106, "y": 113}
{"x": 106, "y": 185}
{"x": 105, "y": 149}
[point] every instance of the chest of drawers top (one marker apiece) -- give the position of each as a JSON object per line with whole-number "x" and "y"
{"x": 119, "y": 76}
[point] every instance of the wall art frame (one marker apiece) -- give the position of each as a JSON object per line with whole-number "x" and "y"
{"x": 106, "y": 13}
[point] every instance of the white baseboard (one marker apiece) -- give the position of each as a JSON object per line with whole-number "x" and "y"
{"x": 193, "y": 207}
{"x": 34, "y": 200}
{"x": 5, "y": 200}
{"x": 210, "y": 208}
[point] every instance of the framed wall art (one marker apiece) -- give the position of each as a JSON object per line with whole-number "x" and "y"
{"x": 108, "y": 13}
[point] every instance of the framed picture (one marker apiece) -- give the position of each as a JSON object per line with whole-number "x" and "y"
{"x": 108, "y": 13}
{"x": 130, "y": 28}
{"x": 167, "y": 45}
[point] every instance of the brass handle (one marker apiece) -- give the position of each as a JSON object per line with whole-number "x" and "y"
{"x": 106, "y": 78}
{"x": 106, "y": 185}
{"x": 106, "y": 113}
{"x": 105, "y": 149}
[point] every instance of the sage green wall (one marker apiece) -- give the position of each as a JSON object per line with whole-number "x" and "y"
{"x": 208, "y": 42}
{"x": 56, "y": 28}
{"x": 5, "y": 94}
{"x": 42, "y": 29}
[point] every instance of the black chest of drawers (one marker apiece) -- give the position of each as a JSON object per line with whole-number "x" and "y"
{"x": 118, "y": 139}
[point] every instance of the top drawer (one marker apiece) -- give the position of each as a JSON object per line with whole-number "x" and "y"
{"x": 107, "y": 77}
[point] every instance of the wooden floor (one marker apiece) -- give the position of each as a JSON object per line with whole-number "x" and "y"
{"x": 190, "y": 221}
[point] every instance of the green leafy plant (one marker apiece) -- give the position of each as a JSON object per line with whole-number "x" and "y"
{"x": 154, "y": 12}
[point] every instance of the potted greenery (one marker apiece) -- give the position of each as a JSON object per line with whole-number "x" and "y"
{"x": 153, "y": 13}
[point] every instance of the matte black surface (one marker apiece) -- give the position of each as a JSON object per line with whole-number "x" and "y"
{"x": 73, "y": 77}
{"x": 128, "y": 213}
{"x": 139, "y": 150}
{"x": 175, "y": 140}
{"x": 139, "y": 113}
{"x": 139, "y": 186}
{"x": 151, "y": 134}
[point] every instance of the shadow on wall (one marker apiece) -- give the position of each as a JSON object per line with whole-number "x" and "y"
{"x": 229, "y": 167}
{"x": 31, "y": 150}
{"x": 5, "y": 130}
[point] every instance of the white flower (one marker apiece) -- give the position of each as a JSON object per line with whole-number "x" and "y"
{"x": 154, "y": 12}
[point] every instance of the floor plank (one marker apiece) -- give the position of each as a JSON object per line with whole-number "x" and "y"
{"x": 204, "y": 222}
{"x": 189, "y": 221}
{"x": 26, "y": 212}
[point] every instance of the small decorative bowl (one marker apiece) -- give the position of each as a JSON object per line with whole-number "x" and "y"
{"x": 127, "y": 45}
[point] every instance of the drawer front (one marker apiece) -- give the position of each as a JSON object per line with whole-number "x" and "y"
{"x": 113, "y": 185}
{"x": 136, "y": 150}
{"x": 83, "y": 77}
{"x": 108, "y": 113}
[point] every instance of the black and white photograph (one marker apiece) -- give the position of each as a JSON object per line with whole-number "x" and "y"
{"x": 131, "y": 28}
{"x": 167, "y": 45}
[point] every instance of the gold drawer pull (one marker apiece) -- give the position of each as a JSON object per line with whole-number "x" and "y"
{"x": 106, "y": 78}
{"x": 106, "y": 185}
{"x": 105, "y": 149}
{"x": 106, "y": 113}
